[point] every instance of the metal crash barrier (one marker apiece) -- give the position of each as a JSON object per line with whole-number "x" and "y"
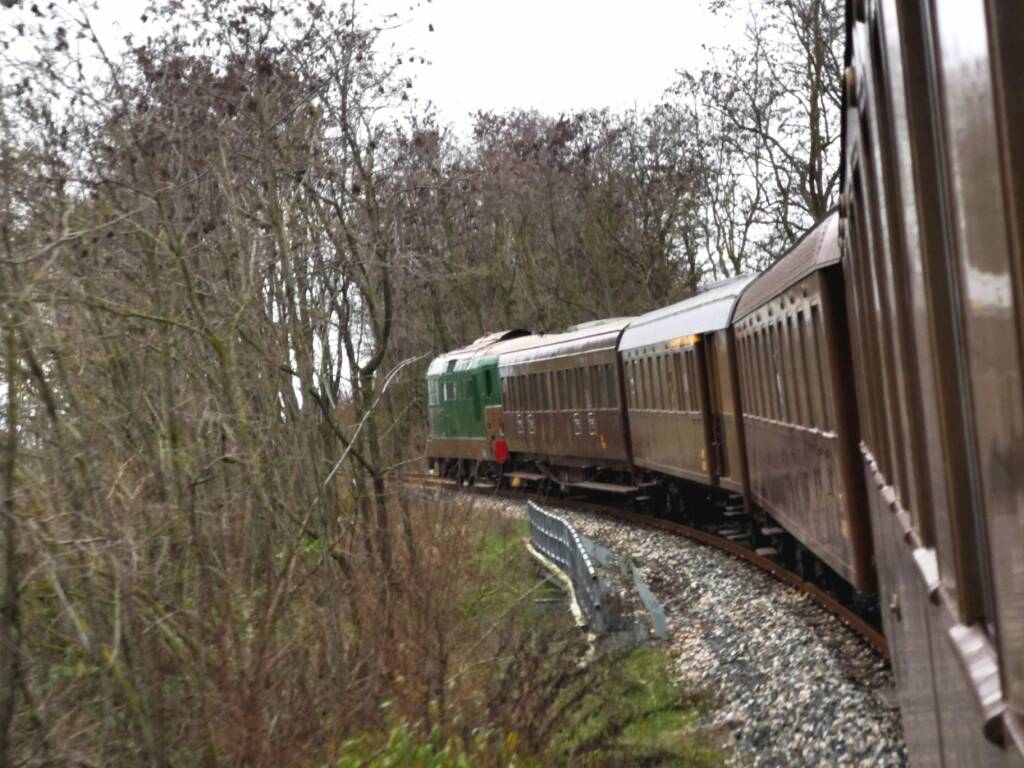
{"x": 558, "y": 541}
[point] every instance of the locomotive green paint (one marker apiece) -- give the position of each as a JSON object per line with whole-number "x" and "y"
{"x": 461, "y": 386}
{"x": 458, "y": 391}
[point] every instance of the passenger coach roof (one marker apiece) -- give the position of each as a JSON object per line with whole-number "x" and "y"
{"x": 473, "y": 354}
{"x": 586, "y": 337}
{"x": 710, "y": 310}
{"x": 818, "y": 249}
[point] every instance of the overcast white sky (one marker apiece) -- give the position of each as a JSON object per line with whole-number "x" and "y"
{"x": 551, "y": 55}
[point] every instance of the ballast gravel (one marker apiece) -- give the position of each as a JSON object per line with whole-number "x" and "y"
{"x": 789, "y": 683}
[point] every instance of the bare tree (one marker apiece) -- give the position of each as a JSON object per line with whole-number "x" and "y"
{"x": 769, "y": 110}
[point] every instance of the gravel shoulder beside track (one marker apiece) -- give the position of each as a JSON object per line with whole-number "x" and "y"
{"x": 790, "y": 684}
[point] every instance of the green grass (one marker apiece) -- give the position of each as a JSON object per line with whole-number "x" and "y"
{"x": 512, "y": 582}
{"x": 620, "y": 709}
{"x": 652, "y": 721}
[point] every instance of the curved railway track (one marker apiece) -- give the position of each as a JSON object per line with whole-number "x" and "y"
{"x": 870, "y": 634}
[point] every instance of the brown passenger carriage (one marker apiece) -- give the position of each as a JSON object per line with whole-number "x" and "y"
{"x": 562, "y": 408}
{"x": 799, "y": 415}
{"x": 933, "y": 210}
{"x": 680, "y": 374}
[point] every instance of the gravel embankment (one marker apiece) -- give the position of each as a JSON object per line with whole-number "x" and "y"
{"x": 790, "y": 684}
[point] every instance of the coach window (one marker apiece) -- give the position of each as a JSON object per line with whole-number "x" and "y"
{"x": 742, "y": 350}
{"x": 776, "y": 373}
{"x": 808, "y": 371}
{"x": 761, "y": 369}
{"x": 823, "y": 370}
{"x": 683, "y": 364}
{"x": 764, "y": 371}
{"x": 671, "y": 392}
{"x": 651, "y": 380}
{"x": 655, "y": 382}
{"x": 770, "y": 375}
{"x": 672, "y": 381}
{"x": 695, "y": 390}
{"x": 637, "y": 384}
{"x": 684, "y": 377}
{"x": 638, "y": 372}
{"x": 752, "y": 393}
{"x": 757, "y": 363}
{"x": 694, "y": 376}
{"x": 666, "y": 382}
{"x": 757, "y": 374}
{"x": 638, "y": 376}
{"x": 688, "y": 381}
{"x": 796, "y": 379}
{"x": 786, "y": 373}
{"x": 742, "y": 357}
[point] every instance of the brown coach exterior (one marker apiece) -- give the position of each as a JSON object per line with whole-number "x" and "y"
{"x": 681, "y": 388}
{"x": 933, "y": 216}
{"x": 799, "y": 412}
{"x": 562, "y": 402}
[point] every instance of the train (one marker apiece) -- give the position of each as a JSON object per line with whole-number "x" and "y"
{"x": 857, "y": 409}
